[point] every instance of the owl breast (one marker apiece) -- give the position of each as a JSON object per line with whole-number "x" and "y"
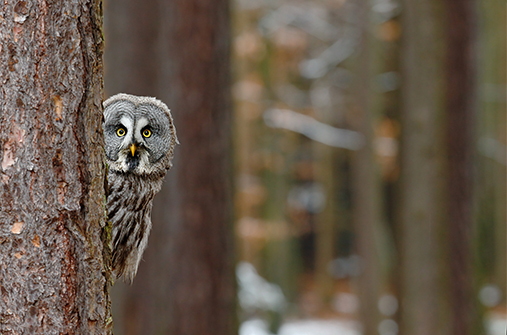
{"x": 129, "y": 206}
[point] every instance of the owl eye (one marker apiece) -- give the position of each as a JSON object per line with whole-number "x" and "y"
{"x": 121, "y": 132}
{"x": 146, "y": 133}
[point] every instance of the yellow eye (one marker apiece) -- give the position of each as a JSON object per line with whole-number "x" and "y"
{"x": 120, "y": 132}
{"x": 146, "y": 133}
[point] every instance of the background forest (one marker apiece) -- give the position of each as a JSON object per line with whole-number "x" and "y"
{"x": 342, "y": 167}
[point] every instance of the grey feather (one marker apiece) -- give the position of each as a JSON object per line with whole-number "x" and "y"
{"x": 135, "y": 177}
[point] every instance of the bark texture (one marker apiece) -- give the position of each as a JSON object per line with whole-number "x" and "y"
{"x": 52, "y": 172}
{"x": 181, "y": 56}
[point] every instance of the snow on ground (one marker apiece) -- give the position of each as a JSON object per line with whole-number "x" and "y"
{"x": 257, "y": 294}
{"x": 495, "y": 326}
{"x": 320, "y": 327}
{"x": 301, "y": 327}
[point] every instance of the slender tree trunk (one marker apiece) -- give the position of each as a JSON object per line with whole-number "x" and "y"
{"x": 422, "y": 183}
{"x": 53, "y": 234}
{"x": 326, "y": 225}
{"x": 181, "y": 55}
{"x": 461, "y": 106}
{"x": 491, "y": 183}
{"x": 367, "y": 207}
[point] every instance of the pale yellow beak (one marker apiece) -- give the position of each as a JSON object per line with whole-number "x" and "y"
{"x": 133, "y": 148}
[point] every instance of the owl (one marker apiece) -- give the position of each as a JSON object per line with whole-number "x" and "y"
{"x": 139, "y": 137}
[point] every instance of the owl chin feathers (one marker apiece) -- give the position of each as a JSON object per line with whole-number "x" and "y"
{"x": 137, "y": 164}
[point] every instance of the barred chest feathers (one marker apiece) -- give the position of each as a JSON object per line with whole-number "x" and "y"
{"x": 130, "y": 203}
{"x": 139, "y": 140}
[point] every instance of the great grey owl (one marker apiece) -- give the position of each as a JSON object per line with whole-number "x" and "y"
{"x": 139, "y": 139}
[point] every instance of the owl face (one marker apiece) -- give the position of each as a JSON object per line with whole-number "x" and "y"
{"x": 139, "y": 134}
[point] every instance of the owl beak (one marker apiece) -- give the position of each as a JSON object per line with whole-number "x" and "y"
{"x": 133, "y": 148}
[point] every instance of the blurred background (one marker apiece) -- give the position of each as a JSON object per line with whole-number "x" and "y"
{"x": 342, "y": 167}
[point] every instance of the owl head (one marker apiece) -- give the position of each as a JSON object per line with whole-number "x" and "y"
{"x": 139, "y": 135}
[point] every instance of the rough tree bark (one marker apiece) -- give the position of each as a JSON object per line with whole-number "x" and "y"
{"x": 52, "y": 219}
{"x": 186, "y": 283}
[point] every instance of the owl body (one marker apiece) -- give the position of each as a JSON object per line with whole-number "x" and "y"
{"x": 139, "y": 139}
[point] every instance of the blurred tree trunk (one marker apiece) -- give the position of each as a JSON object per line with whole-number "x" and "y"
{"x": 326, "y": 225}
{"x": 366, "y": 196}
{"x": 179, "y": 52}
{"x": 52, "y": 172}
{"x": 422, "y": 181}
{"x": 491, "y": 182}
{"x": 461, "y": 107}
{"x": 132, "y": 61}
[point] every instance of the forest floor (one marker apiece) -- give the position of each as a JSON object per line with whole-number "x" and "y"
{"x": 496, "y": 325}
{"x": 310, "y": 316}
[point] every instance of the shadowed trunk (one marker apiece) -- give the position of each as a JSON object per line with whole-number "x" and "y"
{"x": 185, "y": 285}
{"x": 52, "y": 218}
{"x": 461, "y": 106}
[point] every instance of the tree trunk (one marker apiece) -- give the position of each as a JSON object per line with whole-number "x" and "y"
{"x": 186, "y": 284}
{"x": 199, "y": 237}
{"x": 461, "y": 106}
{"x": 366, "y": 196}
{"x": 422, "y": 183}
{"x": 491, "y": 195}
{"x": 53, "y": 234}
